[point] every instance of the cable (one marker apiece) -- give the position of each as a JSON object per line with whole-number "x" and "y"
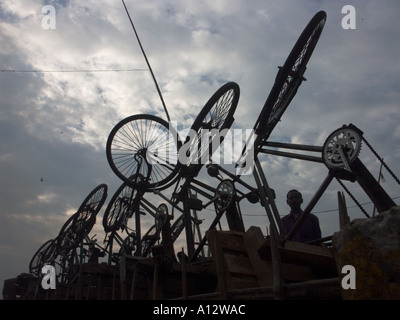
{"x": 147, "y": 61}
{"x": 324, "y": 211}
{"x": 88, "y": 70}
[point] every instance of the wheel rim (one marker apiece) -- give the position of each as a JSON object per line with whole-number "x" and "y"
{"x": 290, "y": 76}
{"x": 144, "y": 145}
{"x": 216, "y": 115}
{"x": 119, "y": 208}
{"x": 83, "y": 220}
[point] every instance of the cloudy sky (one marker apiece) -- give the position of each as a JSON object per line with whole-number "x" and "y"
{"x": 63, "y": 89}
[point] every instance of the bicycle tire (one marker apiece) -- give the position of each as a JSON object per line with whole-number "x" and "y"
{"x": 149, "y": 240}
{"x": 217, "y": 113}
{"x": 72, "y": 232}
{"x": 40, "y": 258}
{"x": 82, "y": 221}
{"x": 177, "y": 227}
{"x": 118, "y": 207}
{"x": 144, "y": 138}
{"x": 95, "y": 199}
{"x": 290, "y": 76}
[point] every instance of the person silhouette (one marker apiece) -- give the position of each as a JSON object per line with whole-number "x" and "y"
{"x": 310, "y": 229}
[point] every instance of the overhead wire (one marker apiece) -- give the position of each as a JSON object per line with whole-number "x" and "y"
{"x": 109, "y": 70}
{"x": 323, "y": 211}
{"x": 78, "y": 70}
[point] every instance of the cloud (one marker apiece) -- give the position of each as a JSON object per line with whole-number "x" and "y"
{"x": 63, "y": 90}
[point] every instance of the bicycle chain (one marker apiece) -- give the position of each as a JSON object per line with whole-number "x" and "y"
{"x": 381, "y": 160}
{"x": 353, "y": 198}
{"x": 383, "y": 164}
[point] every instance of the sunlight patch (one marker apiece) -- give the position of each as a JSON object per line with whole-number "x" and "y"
{"x": 46, "y": 198}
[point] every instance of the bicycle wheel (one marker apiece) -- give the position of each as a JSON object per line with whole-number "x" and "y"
{"x": 161, "y": 216}
{"x": 82, "y": 222}
{"x": 73, "y": 231}
{"x": 128, "y": 245}
{"x": 149, "y": 240}
{"x": 41, "y": 257}
{"x": 67, "y": 264}
{"x": 93, "y": 202}
{"x": 144, "y": 146}
{"x": 216, "y": 115}
{"x": 177, "y": 227}
{"x": 119, "y": 208}
{"x": 290, "y": 76}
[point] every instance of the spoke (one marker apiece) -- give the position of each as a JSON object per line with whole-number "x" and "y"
{"x": 143, "y": 145}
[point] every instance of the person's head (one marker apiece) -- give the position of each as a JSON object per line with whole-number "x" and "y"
{"x": 294, "y": 199}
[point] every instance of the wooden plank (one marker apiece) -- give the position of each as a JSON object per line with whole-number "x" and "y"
{"x": 243, "y": 267}
{"x": 298, "y": 252}
{"x": 184, "y": 275}
{"x": 308, "y": 254}
{"x": 323, "y": 289}
{"x": 307, "y": 249}
{"x": 224, "y": 280}
{"x": 253, "y": 240}
{"x": 343, "y": 215}
{"x": 296, "y": 273}
{"x": 241, "y": 283}
{"x": 239, "y": 264}
{"x": 229, "y": 251}
{"x": 231, "y": 240}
